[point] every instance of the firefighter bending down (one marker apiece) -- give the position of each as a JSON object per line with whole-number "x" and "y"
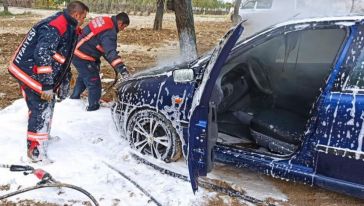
{"x": 99, "y": 38}
{"x": 41, "y": 65}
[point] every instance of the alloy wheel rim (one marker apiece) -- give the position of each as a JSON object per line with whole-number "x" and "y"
{"x": 151, "y": 137}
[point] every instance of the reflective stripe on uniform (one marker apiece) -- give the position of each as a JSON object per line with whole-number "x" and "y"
{"x": 25, "y": 78}
{"x": 99, "y": 47}
{"x": 21, "y": 75}
{"x": 85, "y": 39}
{"x": 59, "y": 58}
{"x": 80, "y": 54}
{"x": 44, "y": 70}
{"x": 83, "y": 56}
{"x": 116, "y": 62}
{"x": 32, "y": 136}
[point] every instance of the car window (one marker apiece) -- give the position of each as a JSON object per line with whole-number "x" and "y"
{"x": 248, "y": 5}
{"x": 297, "y": 64}
{"x": 264, "y": 4}
{"x": 311, "y": 47}
{"x": 287, "y": 52}
{"x": 320, "y": 46}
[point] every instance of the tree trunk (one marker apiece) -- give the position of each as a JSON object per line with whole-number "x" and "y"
{"x": 352, "y": 6}
{"x": 186, "y": 28}
{"x": 6, "y": 6}
{"x": 236, "y": 18}
{"x": 108, "y": 7}
{"x": 158, "y": 20}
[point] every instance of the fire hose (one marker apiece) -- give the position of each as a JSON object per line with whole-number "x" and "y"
{"x": 134, "y": 183}
{"x": 115, "y": 82}
{"x": 46, "y": 181}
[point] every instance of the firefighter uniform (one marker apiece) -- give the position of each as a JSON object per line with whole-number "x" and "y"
{"x": 99, "y": 38}
{"x": 41, "y": 63}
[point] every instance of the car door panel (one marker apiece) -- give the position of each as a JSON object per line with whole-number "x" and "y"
{"x": 203, "y": 120}
{"x": 340, "y": 130}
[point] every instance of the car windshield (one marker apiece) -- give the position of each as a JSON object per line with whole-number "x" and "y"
{"x": 202, "y": 58}
{"x": 194, "y": 64}
{"x": 205, "y": 58}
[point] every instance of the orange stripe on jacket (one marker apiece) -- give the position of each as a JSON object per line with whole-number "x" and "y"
{"x": 25, "y": 78}
{"x": 116, "y": 62}
{"x": 44, "y": 70}
{"x": 21, "y": 75}
{"x": 80, "y": 54}
{"x": 83, "y": 56}
{"x": 59, "y": 58}
{"x": 100, "y": 48}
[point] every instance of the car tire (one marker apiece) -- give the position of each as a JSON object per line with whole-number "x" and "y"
{"x": 150, "y": 133}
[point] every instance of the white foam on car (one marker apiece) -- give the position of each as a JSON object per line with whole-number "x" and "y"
{"x": 88, "y": 139}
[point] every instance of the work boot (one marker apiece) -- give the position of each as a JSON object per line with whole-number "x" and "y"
{"x": 93, "y": 107}
{"x": 37, "y": 151}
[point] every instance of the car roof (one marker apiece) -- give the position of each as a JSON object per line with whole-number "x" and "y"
{"x": 354, "y": 18}
{"x": 347, "y": 20}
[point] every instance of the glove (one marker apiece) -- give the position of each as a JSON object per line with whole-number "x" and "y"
{"x": 47, "y": 95}
{"x": 121, "y": 68}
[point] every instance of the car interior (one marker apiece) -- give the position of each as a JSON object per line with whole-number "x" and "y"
{"x": 265, "y": 94}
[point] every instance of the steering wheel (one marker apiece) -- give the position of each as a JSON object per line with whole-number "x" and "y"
{"x": 259, "y": 75}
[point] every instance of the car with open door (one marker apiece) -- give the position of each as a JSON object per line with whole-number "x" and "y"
{"x": 287, "y": 101}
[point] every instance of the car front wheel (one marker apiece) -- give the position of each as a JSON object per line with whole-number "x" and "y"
{"x": 150, "y": 133}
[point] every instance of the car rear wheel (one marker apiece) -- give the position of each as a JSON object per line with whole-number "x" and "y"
{"x": 150, "y": 133}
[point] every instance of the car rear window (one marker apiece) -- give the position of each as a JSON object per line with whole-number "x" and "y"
{"x": 355, "y": 64}
{"x": 356, "y": 77}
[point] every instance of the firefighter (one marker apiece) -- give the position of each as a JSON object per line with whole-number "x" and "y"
{"x": 99, "y": 38}
{"x": 41, "y": 64}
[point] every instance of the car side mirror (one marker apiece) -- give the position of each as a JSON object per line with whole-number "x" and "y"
{"x": 183, "y": 75}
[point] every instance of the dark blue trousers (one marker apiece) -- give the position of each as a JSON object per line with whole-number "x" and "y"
{"x": 40, "y": 115}
{"x": 88, "y": 78}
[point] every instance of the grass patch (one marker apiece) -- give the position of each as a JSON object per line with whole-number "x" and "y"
{"x": 6, "y": 13}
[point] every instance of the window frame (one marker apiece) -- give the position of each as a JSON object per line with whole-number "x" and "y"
{"x": 345, "y": 68}
{"x": 349, "y": 69}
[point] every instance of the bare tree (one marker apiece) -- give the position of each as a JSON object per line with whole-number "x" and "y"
{"x": 352, "y": 6}
{"x": 185, "y": 28}
{"x": 236, "y": 18}
{"x": 6, "y": 6}
{"x": 108, "y": 6}
{"x": 158, "y": 20}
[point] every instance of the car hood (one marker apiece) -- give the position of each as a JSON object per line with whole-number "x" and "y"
{"x": 196, "y": 65}
{"x": 159, "y": 70}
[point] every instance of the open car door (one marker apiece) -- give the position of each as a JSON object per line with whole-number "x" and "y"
{"x": 203, "y": 124}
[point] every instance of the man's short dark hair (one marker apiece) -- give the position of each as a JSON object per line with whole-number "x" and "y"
{"x": 77, "y": 7}
{"x": 123, "y": 17}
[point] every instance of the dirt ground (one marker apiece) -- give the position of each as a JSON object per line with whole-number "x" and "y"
{"x": 141, "y": 47}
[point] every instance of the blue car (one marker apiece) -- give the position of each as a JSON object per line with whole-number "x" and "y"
{"x": 287, "y": 102}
